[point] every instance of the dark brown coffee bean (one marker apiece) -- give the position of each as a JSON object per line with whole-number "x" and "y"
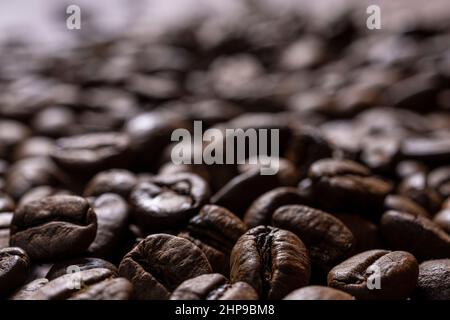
{"x": 418, "y": 235}
{"x": 5, "y": 222}
{"x": 262, "y": 209}
{"x": 166, "y": 201}
{"x": 80, "y": 264}
{"x": 442, "y": 218}
{"x": 416, "y": 188}
{"x": 215, "y": 231}
{"x": 41, "y": 192}
{"x": 111, "y": 181}
{"x": 432, "y": 150}
{"x": 347, "y": 185}
{"x": 160, "y": 263}
{"x": 433, "y": 283}
{"x": 271, "y": 260}
{"x": 112, "y": 217}
{"x": 91, "y": 152}
{"x": 395, "y": 271}
{"x": 29, "y": 173}
{"x": 327, "y": 239}
{"x": 366, "y": 233}
{"x": 238, "y": 194}
{"x": 287, "y": 173}
{"x": 213, "y": 286}
{"x": 92, "y": 284}
{"x": 439, "y": 179}
{"x": 404, "y": 204}
{"x": 318, "y": 293}
{"x": 14, "y": 267}
{"x": 53, "y": 227}
{"x": 25, "y": 291}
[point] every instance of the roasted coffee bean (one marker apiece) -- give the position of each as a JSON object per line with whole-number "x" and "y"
{"x": 41, "y": 192}
{"x": 55, "y": 121}
{"x": 166, "y": 201}
{"x": 5, "y": 222}
{"x": 54, "y": 227}
{"x": 416, "y": 188}
{"x": 6, "y": 203}
{"x": 238, "y": 194}
{"x": 429, "y": 150}
{"x": 111, "y": 181}
{"x": 380, "y": 154}
{"x": 34, "y": 147}
{"x": 376, "y": 274}
{"x": 215, "y": 231}
{"x": 327, "y": 239}
{"x": 418, "y": 235}
{"x": 273, "y": 261}
{"x": 80, "y": 264}
{"x": 439, "y": 179}
{"x": 25, "y": 291}
{"x": 31, "y": 172}
{"x": 347, "y": 185}
{"x": 404, "y": 204}
{"x": 442, "y": 218}
{"x": 433, "y": 281}
{"x": 366, "y": 233}
{"x": 287, "y": 173}
{"x": 318, "y": 293}
{"x": 408, "y": 168}
{"x": 262, "y": 209}
{"x": 91, "y": 152}
{"x": 213, "y": 286}
{"x": 14, "y": 266}
{"x": 11, "y": 133}
{"x": 112, "y": 217}
{"x": 160, "y": 263}
{"x": 92, "y": 284}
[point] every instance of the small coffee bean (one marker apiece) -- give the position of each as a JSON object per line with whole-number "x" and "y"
{"x": 442, "y": 218}
{"x": 273, "y": 261}
{"x": 5, "y": 222}
{"x": 318, "y": 293}
{"x": 408, "y": 168}
{"x": 404, "y": 204}
{"x": 215, "y": 231}
{"x": 430, "y": 150}
{"x": 6, "y": 203}
{"x": 38, "y": 193}
{"x": 213, "y": 286}
{"x": 327, "y": 239}
{"x": 53, "y": 227}
{"x": 416, "y": 188}
{"x": 395, "y": 271}
{"x": 34, "y": 147}
{"x": 74, "y": 265}
{"x": 433, "y": 281}
{"x": 91, "y": 152}
{"x": 439, "y": 179}
{"x": 160, "y": 263}
{"x": 347, "y": 185}
{"x": 166, "y": 201}
{"x": 420, "y": 236}
{"x": 111, "y": 181}
{"x": 112, "y": 217}
{"x": 14, "y": 267}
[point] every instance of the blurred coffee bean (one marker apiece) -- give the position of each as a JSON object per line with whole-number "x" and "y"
{"x": 395, "y": 271}
{"x": 5, "y": 222}
{"x": 439, "y": 179}
{"x": 416, "y": 188}
{"x": 442, "y": 218}
{"x": 404, "y": 204}
{"x": 34, "y": 147}
{"x": 408, "y": 168}
{"x": 318, "y": 293}
{"x": 11, "y": 133}
{"x": 160, "y": 263}
{"x": 55, "y": 121}
{"x": 119, "y": 181}
{"x": 213, "y": 286}
{"x": 39, "y": 193}
{"x": 273, "y": 261}
{"x": 430, "y": 150}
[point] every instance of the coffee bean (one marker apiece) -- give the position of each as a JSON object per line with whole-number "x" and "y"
{"x": 160, "y": 263}
{"x": 5, "y": 222}
{"x": 404, "y": 204}
{"x": 366, "y": 233}
{"x": 420, "y": 236}
{"x": 11, "y": 133}
{"x": 55, "y": 121}
{"x": 53, "y": 227}
{"x": 25, "y": 291}
{"x": 38, "y": 193}
{"x": 166, "y": 201}
{"x": 327, "y": 239}
{"x": 430, "y": 150}
{"x": 213, "y": 286}
{"x": 347, "y": 185}
{"x": 91, "y": 152}
{"x": 395, "y": 271}
{"x": 416, "y": 188}
{"x": 433, "y": 280}
{"x": 14, "y": 265}
{"x": 318, "y": 293}
{"x": 439, "y": 179}
{"x": 287, "y": 173}
{"x": 6, "y": 203}
{"x": 215, "y": 231}
{"x": 273, "y": 261}
{"x": 34, "y": 147}
{"x": 111, "y": 181}
{"x": 112, "y": 217}
{"x": 408, "y": 168}
{"x": 80, "y": 264}
{"x": 442, "y": 219}
{"x": 262, "y": 209}
{"x": 92, "y": 284}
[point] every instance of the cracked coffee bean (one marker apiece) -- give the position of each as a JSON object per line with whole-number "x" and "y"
{"x": 54, "y": 227}
{"x": 273, "y": 261}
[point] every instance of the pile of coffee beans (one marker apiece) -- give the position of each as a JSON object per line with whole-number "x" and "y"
{"x": 93, "y": 207}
